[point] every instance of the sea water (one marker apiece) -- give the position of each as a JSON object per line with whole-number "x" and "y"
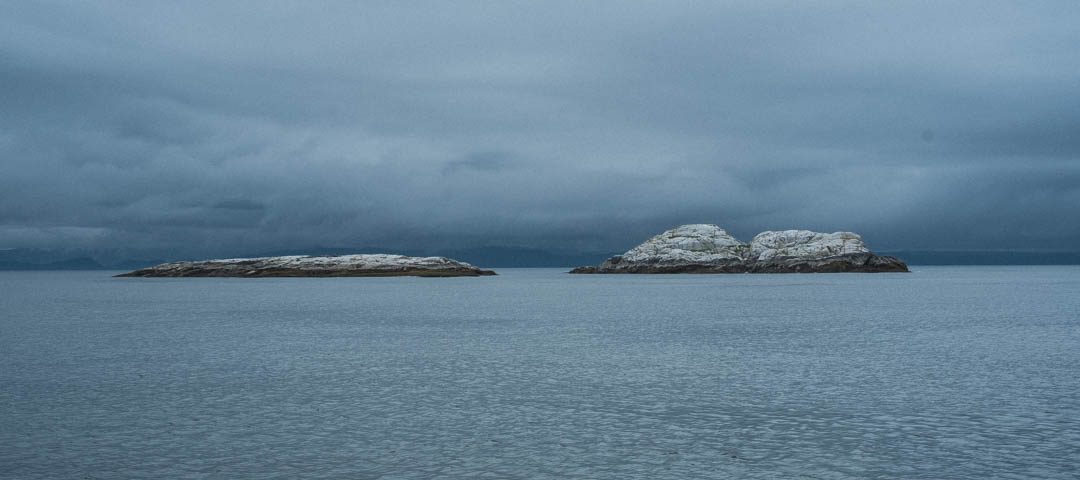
{"x": 945, "y": 372}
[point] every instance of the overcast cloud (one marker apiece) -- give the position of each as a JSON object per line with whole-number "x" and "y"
{"x": 199, "y": 129}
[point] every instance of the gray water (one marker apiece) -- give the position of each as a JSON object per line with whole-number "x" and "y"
{"x": 966, "y": 372}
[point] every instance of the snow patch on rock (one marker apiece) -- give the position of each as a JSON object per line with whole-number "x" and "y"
{"x": 303, "y": 265}
{"x": 377, "y": 261}
{"x": 804, "y": 244}
{"x": 698, "y": 243}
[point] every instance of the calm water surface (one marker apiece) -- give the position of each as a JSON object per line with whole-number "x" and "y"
{"x": 966, "y": 372}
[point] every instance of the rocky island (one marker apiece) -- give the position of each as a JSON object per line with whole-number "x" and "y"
{"x": 378, "y": 265}
{"x": 706, "y": 248}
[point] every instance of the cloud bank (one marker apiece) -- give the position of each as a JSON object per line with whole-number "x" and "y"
{"x": 199, "y": 129}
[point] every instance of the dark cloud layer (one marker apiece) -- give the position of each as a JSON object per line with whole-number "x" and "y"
{"x": 144, "y": 128}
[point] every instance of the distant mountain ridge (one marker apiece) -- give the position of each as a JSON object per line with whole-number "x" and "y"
{"x": 82, "y": 263}
{"x": 985, "y": 257}
{"x": 508, "y": 257}
{"x": 30, "y": 259}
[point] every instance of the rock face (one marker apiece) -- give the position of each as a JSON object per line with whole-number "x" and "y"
{"x": 379, "y": 265}
{"x": 709, "y": 249}
{"x": 689, "y": 244}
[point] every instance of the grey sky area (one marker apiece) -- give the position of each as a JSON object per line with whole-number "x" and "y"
{"x": 212, "y": 128}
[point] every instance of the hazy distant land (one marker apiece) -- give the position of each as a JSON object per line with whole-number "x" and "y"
{"x": 517, "y": 257}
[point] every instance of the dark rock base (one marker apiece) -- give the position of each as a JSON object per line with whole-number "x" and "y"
{"x": 261, "y": 273}
{"x": 852, "y": 263}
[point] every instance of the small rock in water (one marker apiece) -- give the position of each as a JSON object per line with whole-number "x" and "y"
{"x": 371, "y": 265}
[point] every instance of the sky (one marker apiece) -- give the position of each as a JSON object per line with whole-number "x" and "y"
{"x": 211, "y": 128}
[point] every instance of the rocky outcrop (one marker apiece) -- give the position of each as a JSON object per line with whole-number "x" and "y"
{"x": 709, "y": 249}
{"x": 379, "y": 265}
{"x": 703, "y": 244}
{"x": 804, "y": 244}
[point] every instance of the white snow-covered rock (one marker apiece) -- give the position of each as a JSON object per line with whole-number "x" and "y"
{"x": 314, "y": 266}
{"x": 703, "y": 248}
{"x": 698, "y": 243}
{"x": 804, "y": 244}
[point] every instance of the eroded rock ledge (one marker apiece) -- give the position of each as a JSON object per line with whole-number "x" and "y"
{"x": 703, "y": 248}
{"x": 379, "y": 265}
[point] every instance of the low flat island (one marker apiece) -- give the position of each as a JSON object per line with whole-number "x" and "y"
{"x": 704, "y": 248}
{"x": 370, "y": 265}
